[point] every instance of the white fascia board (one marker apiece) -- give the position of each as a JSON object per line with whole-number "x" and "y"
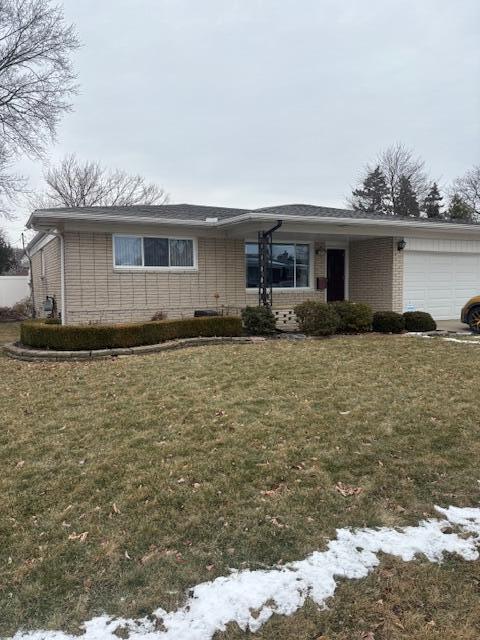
{"x": 36, "y": 220}
{"x": 40, "y": 243}
{"x": 45, "y": 219}
{"x": 400, "y": 226}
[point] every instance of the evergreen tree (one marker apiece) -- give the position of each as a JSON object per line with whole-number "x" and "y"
{"x": 433, "y": 202}
{"x": 406, "y": 201}
{"x": 7, "y": 257}
{"x": 371, "y": 196}
{"x": 459, "y": 210}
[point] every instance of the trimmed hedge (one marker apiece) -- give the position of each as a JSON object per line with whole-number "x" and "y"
{"x": 355, "y": 317}
{"x": 388, "y": 322}
{"x": 317, "y": 318}
{"x": 419, "y": 321}
{"x": 259, "y": 321}
{"x": 104, "y": 336}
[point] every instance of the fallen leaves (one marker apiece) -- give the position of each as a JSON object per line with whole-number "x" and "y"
{"x": 348, "y": 490}
{"x": 81, "y": 537}
{"x": 274, "y": 492}
{"x": 152, "y": 554}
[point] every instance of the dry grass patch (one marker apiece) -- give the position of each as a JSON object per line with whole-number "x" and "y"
{"x": 9, "y": 332}
{"x": 124, "y": 482}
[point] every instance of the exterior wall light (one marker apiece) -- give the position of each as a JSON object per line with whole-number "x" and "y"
{"x": 401, "y": 244}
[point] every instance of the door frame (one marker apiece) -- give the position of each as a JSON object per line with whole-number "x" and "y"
{"x": 339, "y": 245}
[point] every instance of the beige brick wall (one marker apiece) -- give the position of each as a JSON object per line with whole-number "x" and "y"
{"x": 376, "y": 273}
{"x": 96, "y": 292}
{"x": 48, "y": 284}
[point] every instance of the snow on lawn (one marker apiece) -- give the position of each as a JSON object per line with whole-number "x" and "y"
{"x": 416, "y": 334}
{"x": 250, "y": 598}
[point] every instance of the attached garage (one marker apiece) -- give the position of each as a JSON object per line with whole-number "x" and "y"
{"x": 440, "y": 275}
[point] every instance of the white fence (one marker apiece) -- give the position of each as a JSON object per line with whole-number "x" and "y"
{"x": 13, "y": 289}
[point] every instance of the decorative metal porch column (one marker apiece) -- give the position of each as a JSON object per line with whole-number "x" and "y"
{"x": 265, "y": 256}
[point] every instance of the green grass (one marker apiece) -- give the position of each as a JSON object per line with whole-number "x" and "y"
{"x": 164, "y": 461}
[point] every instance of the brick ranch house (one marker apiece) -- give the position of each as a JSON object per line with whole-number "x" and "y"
{"x": 116, "y": 264}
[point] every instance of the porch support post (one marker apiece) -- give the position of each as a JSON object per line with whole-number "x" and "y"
{"x": 265, "y": 254}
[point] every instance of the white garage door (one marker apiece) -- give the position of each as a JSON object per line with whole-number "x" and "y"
{"x": 440, "y": 282}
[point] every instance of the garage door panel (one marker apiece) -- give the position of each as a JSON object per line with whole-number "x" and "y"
{"x": 440, "y": 283}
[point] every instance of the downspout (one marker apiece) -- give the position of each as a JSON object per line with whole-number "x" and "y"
{"x": 62, "y": 271}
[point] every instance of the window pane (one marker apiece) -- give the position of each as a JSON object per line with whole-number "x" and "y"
{"x": 128, "y": 252}
{"x": 251, "y": 264}
{"x": 302, "y": 264}
{"x": 155, "y": 252}
{"x": 283, "y": 265}
{"x": 181, "y": 253}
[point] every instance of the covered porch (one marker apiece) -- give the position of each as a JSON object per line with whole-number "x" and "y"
{"x": 321, "y": 263}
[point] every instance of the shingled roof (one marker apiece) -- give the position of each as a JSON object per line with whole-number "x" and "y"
{"x": 170, "y": 211}
{"x": 186, "y": 212}
{"x": 203, "y": 214}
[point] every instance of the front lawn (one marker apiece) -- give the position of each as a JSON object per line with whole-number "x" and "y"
{"x": 9, "y": 332}
{"x": 124, "y": 482}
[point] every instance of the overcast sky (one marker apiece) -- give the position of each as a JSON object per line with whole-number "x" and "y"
{"x": 249, "y": 103}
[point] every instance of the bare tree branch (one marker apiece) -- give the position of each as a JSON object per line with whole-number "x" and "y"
{"x": 87, "y": 184}
{"x": 468, "y": 188}
{"x": 398, "y": 161}
{"x": 12, "y": 186}
{"x": 36, "y": 78}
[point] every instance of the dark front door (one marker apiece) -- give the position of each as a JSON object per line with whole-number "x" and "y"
{"x": 335, "y": 274}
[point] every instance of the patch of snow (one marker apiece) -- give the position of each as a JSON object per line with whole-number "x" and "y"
{"x": 250, "y": 598}
{"x": 417, "y": 334}
{"x": 477, "y": 342}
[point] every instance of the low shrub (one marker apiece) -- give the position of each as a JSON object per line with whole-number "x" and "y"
{"x": 317, "y": 318}
{"x": 419, "y": 321}
{"x": 355, "y": 317}
{"x": 159, "y": 315}
{"x": 258, "y": 321}
{"x": 24, "y": 308}
{"x": 104, "y": 336}
{"x": 10, "y": 314}
{"x": 388, "y": 322}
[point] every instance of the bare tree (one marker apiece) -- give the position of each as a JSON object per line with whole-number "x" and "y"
{"x": 397, "y": 162}
{"x": 393, "y": 167}
{"x": 11, "y": 185}
{"x": 87, "y": 184}
{"x": 36, "y": 79}
{"x": 468, "y": 188}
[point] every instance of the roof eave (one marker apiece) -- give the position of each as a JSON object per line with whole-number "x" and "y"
{"x": 36, "y": 218}
{"x": 52, "y": 217}
{"x": 34, "y": 241}
{"x": 354, "y": 222}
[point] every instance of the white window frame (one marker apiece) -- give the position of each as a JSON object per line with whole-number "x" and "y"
{"x": 311, "y": 266}
{"x": 142, "y": 267}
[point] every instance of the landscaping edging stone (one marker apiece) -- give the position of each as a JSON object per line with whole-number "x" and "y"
{"x": 19, "y": 352}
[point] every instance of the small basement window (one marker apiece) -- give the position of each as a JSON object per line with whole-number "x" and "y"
{"x": 147, "y": 252}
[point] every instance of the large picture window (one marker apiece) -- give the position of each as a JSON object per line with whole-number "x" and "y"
{"x": 290, "y": 265}
{"x": 147, "y": 252}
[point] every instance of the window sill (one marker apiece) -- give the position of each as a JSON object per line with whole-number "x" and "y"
{"x": 283, "y": 289}
{"x": 155, "y": 269}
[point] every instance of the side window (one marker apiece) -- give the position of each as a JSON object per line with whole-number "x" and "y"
{"x": 128, "y": 251}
